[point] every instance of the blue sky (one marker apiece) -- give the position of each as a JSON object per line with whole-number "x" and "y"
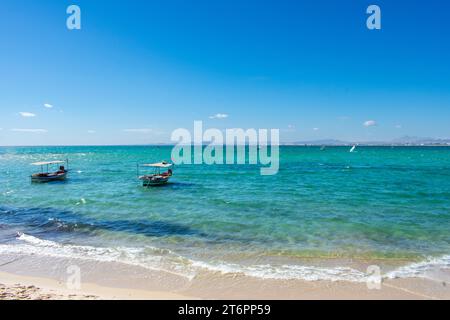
{"x": 137, "y": 70}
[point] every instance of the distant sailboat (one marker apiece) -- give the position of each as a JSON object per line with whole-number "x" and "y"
{"x": 353, "y": 148}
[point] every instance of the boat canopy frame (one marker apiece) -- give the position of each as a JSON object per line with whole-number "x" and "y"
{"x": 42, "y": 164}
{"x": 156, "y": 166}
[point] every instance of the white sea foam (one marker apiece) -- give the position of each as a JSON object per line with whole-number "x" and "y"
{"x": 146, "y": 257}
{"x": 166, "y": 260}
{"x": 82, "y": 201}
{"x": 288, "y": 272}
{"x": 37, "y": 241}
{"x": 431, "y": 268}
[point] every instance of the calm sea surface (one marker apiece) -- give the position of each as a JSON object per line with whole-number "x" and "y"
{"x": 378, "y": 202}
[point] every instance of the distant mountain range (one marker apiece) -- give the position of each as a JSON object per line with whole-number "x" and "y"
{"x": 403, "y": 141}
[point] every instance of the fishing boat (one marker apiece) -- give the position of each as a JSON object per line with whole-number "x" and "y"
{"x": 161, "y": 174}
{"x": 46, "y": 175}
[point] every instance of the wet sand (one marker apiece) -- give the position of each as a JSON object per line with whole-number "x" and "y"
{"x": 38, "y": 277}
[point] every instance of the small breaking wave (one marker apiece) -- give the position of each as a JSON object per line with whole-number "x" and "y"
{"x": 146, "y": 257}
{"x": 288, "y": 272}
{"x": 165, "y": 260}
{"x": 430, "y": 268}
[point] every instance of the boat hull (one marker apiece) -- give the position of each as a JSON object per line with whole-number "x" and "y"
{"x": 40, "y": 178}
{"x": 151, "y": 181}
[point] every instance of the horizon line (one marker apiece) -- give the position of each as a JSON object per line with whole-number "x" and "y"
{"x": 281, "y": 144}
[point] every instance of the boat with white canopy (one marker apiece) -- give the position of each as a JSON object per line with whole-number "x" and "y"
{"x": 47, "y": 175}
{"x": 162, "y": 171}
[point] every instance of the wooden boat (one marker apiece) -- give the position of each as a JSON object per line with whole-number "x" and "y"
{"x": 162, "y": 172}
{"x": 48, "y": 176}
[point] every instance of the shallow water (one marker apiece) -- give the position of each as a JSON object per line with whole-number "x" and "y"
{"x": 376, "y": 203}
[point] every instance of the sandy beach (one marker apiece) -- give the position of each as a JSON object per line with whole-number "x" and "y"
{"x": 46, "y": 278}
{"x": 14, "y": 287}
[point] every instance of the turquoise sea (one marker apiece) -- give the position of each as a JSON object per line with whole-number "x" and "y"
{"x": 389, "y": 203}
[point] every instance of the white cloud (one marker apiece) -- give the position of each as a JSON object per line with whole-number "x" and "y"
{"x": 290, "y": 128}
{"x": 27, "y": 114}
{"x": 219, "y": 116}
{"x": 48, "y": 105}
{"x": 30, "y": 130}
{"x": 91, "y": 131}
{"x": 142, "y": 130}
{"x": 316, "y": 129}
{"x": 260, "y": 78}
{"x": 398, "y": 126}
{"x": 370, "y": 123}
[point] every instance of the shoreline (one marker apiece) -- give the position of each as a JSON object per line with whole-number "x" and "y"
{"x": 42, "y": 277}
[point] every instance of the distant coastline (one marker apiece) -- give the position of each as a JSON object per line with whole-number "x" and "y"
{"x": 364, "y": 145}
{"x": 405, "y": 141}
{"x": 282, "y": 144}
